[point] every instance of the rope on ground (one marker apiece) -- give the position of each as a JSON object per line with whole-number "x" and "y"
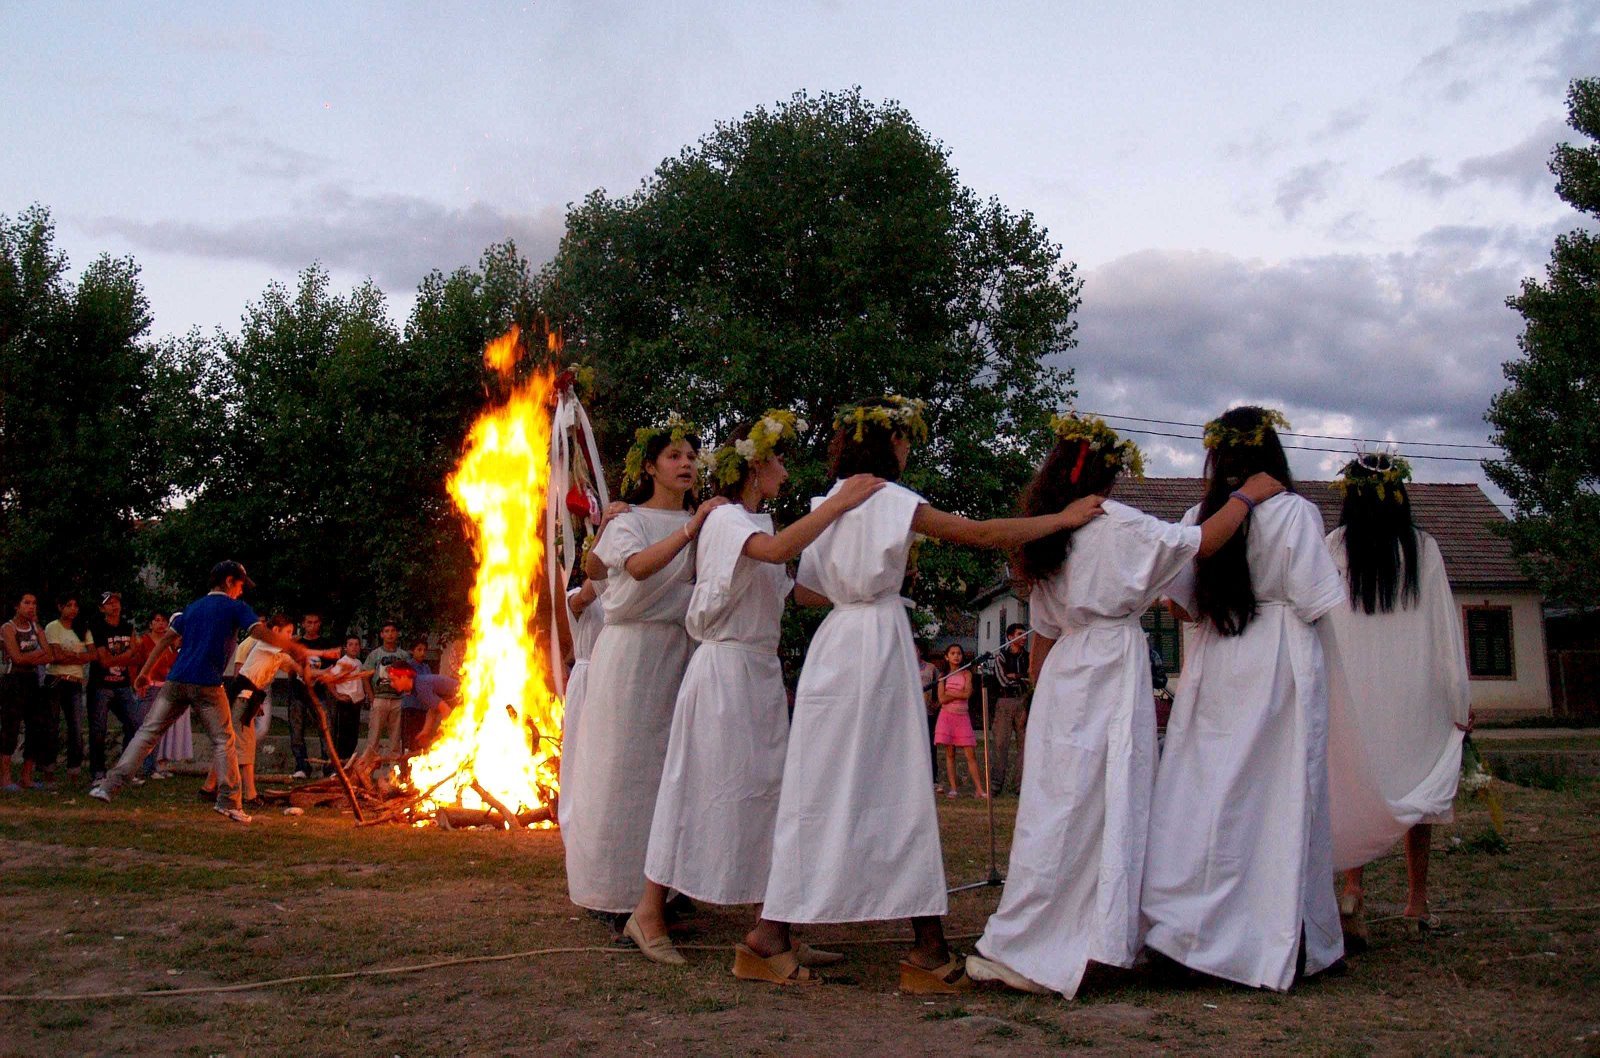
{"x": 439, "y": 964}
{"x": 385, "y": 971}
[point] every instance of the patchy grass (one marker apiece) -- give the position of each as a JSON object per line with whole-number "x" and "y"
{"x": 156, "y": 891}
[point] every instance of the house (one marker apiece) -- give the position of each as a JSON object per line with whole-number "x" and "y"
{"x": 1502, "y": 611}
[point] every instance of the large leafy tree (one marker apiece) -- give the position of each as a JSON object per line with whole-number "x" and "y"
{"x": 78, "y": 390}
{"x": 1548, "y": 418}
{"x": 811, "y": 254}
{"x": 329, "y": 439}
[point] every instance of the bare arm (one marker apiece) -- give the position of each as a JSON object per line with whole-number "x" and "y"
{"x": 110, "y": 660}
{"x": 1038, "y": 650}
{"x": 1218, "y": 529}
{"x": 783, "y": 546}
{"x": 142, "y": 680}
{"x": 579, "y": 601}
{"x": 655, "y": 558}
{"x": 593, "y": 568}
{"x": 806, "y": 597}
{"x": 274, "y": 638}
{"x": 1003, "y": 533}
{"x": 8, "y": 639}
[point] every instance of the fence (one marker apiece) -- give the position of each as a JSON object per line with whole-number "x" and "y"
{"x": 1575, "y": 683}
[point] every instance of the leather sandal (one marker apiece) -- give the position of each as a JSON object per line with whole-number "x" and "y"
{"x": 1353, "y": 922}
{"x": 659, "y": 950}
{"x": 947, "y": 980}
{"x": 783, "y": 968}
{"x": 806, "y": 955}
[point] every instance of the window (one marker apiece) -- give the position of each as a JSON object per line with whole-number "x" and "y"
{"x": 988, "y": 632}
{"x": 1002, "y": 622}
{"x": 1490, "y": 652}
{"x": 1166, "y": 634}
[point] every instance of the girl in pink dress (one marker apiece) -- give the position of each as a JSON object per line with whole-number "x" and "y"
{"x": 955, "y": 723}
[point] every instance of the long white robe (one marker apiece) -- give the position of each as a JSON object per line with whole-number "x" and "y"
{"x": 1240, "y": 855}
{"x": 857, "y": 836}
{"x": 1398, "y": 688}
{"x": 1077, "y": 857}
{"x": 638, "y": 661}
{"x": 712, "y": 834}
{"x": 585, "y": 630}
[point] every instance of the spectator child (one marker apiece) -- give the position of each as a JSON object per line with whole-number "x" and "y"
{"x": 955, "y": 721}
{"x": 23, "y": 705}
{"x": 385, "y": 716}
{"x": 66, "y": 675}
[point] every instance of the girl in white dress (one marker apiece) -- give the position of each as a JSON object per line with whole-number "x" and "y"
{"x": 1240, "y": 853}
{"x": 1398, "y": 677}
{"x": 587, "y": 618}
{"x": 712, "y": 834}
{"x": 1077, "y": 858}
{"x": 857, "y": 838}
{"x": 647, "y": 554}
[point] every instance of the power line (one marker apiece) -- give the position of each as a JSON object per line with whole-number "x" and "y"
{"x": 1298, "y": 448}
{"x": 1314, "y": 436}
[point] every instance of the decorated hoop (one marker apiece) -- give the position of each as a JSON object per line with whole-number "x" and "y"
{"x": 1098, "y": 440}
{"x": 1382, "y": 473}
{"x": 902, "y": 415}
{"x": 774, "y": 429}
{"x": 1218, "y": 434}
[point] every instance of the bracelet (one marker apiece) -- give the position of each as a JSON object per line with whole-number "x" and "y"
{"x": 1238, "y": 494}
{"x": 688, "y": 537}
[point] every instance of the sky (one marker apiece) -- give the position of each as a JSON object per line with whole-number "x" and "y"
{"x": 1318, "y": 207}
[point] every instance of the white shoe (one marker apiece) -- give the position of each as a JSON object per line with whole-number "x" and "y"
{"x": 234, "y": 814}
{"x": 299, "y": 775}
{"x": 161, "y": 775}
{"x": 100, "y": 793}
{"x": 981, "y": 969}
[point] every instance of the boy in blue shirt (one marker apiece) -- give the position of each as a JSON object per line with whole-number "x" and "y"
{"x": 209, "y": 627}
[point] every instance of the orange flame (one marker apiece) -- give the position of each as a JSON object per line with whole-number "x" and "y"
{"x": 499, "y": 733}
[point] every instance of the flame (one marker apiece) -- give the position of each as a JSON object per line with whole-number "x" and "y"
{"x": 497, "y": 736}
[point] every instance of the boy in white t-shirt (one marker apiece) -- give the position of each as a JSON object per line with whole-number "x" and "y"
{"x": 348, "y": 686}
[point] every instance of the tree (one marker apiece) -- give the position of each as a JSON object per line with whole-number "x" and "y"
{"x": 330, "y": 438}
{"x": 77, "y": 391}
{"x": 809, "y": 255}
{"x": 1548, "y": 419}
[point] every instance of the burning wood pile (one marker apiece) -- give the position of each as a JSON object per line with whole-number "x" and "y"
{"x": 494, "y": 761}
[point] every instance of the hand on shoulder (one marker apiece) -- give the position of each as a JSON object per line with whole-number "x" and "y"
{"x": 857, "y": 489}
{"x": 1082, "y": 511}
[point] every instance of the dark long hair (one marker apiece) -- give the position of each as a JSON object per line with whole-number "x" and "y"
{"x": 1051, "y": 489}
{"x": 646, "y": 486}
{"x": 873, "y": 454}
{"x": 1223, "y": 590}
{"x": 1380, "y": 542}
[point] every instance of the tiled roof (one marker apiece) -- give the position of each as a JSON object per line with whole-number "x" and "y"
{"x": 1458, "y": 516}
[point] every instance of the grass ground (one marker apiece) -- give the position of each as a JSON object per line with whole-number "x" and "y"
{"x": 156, "y": 891}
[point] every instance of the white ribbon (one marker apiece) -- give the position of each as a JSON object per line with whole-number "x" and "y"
{"x": 569, "y": 416}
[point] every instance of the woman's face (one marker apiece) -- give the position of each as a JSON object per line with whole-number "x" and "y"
{"x": 158, "y": 625}
{"x": 769, "y": 476}
{"x": 674, "y": 469}
{"x": 954, "y": 654}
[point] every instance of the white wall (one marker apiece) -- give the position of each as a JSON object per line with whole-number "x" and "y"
{"x": 992, "y": 621}
{"x": 1529, "y": 693}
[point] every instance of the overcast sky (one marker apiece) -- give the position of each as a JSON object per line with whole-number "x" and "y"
{"x": 1320, "y": 207}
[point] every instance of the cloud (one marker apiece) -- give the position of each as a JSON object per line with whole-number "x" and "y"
{"x": 1301, "y": 187}
{"x": 396, "y": 239}
{"x": 1475, "y": 56}
{"x": 1523, "y": 167}
{"x": 260, "y": 156}
{"x": 1344, "y": 120}
{"x": 1405, "y": 345}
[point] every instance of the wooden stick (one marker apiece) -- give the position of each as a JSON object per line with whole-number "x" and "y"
{"x": 512, "y": 822}
{"x": 327, "y": 740}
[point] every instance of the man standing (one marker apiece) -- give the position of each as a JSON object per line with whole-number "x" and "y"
{"x": 1011, "y": 711}
{"x": 22, "y": 701}
{"x": 208, "y": 627}
{"x": 385, "y": 715}
{"x": 110, "y": 683}
{"x": 288, "y": 688}
{"x": 66, "y": 676}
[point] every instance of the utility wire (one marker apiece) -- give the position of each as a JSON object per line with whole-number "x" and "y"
{"x": 1299, "y": 448}
{"x": 1314, "y": 436}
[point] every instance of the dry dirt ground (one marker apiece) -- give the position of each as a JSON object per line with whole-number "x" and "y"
{"x": 157, "y": 892}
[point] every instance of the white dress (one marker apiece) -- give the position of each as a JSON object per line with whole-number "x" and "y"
{"x": 1240, "y": 855}
{"x": 857, "y": 837}
{"x": 638, "y": 661}
{"x": 1398, "y": 688}
{"x": 712, "y": 834}
{"x": 1077, "y": 857}
{"x": 585, "y": 630}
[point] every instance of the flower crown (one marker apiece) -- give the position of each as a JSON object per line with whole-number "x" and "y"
{"x": 775, "y": 428}
{"x": 901, "y": 415}
{"x": 676, "y": 428}
{"x": 1098, "y": 438}
{"x": 1382, "y": 472}
{"x": 1218, "y": 434}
